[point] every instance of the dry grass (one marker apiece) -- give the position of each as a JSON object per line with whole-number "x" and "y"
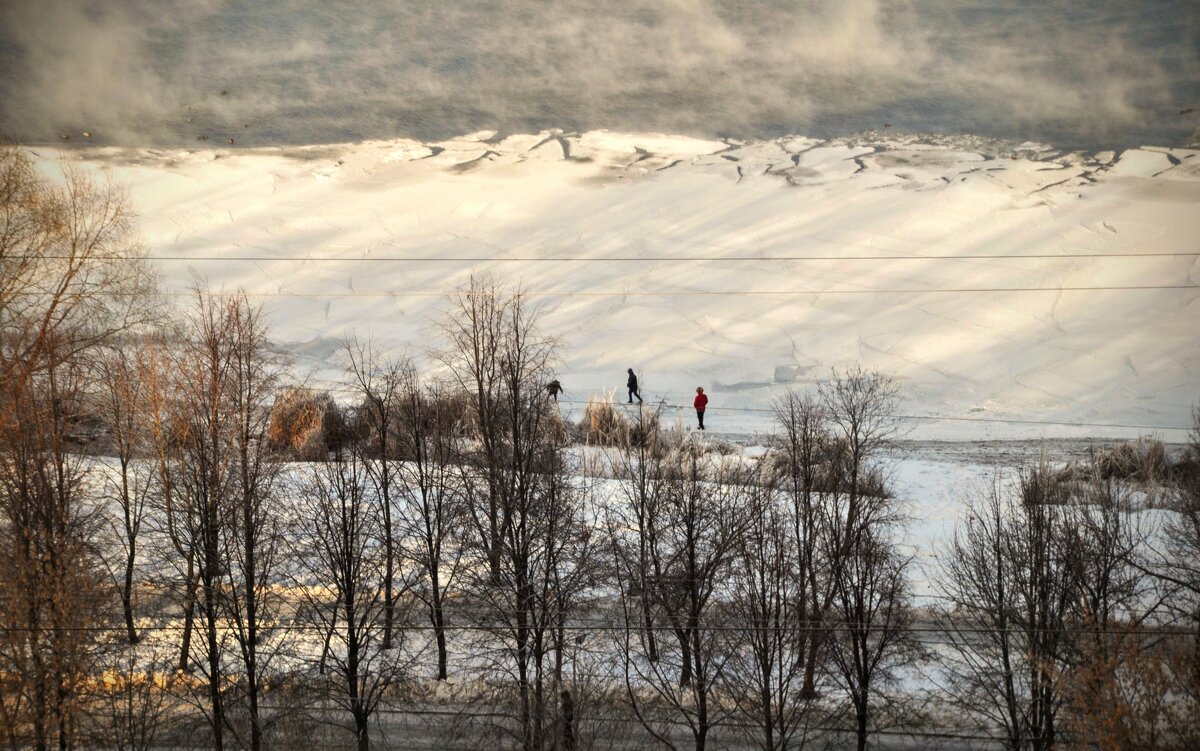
{"x": 298, "y": 423}
{"x": 604, "y": 424}
{"x": 1144, "y": 460}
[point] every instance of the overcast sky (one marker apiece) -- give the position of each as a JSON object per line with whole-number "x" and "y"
{"x": 1084, "y": 73}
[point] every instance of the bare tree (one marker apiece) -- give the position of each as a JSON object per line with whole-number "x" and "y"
{"x": 546, "y": 548}
{"x": 1176, "y": 563}
{"x": 378, "y": 382}
{"x": 1106, "y": 539}
{"x": 694, "y": 539}
{"x": 429, "y": 425}
{"x": 861, "y": 409}
{"x": 546, "y": 569}
{"x": 68, "y": 263}
{"x": 252, "y": 537}
{"x": 1123, "y": 688}
{"x": 499, "y": 358}
{"x": 218, "y": 480}
{"x": 52, "y": 595}
{"x": 770, "y": 624}
{"x": 527, "y": 516}
{"x": 70, "y": 280}
{"x": 871, "y": 636}
{"x": 1046, "y": 611}
{"x": 167, "y": 428}
{"x": 1010, "y": 586}
{"x": 1114, "y": 600}
{"x": 122, "y": 401}
{"x": 805, "y": 446}
{"x": 866, "y": 572}
{"x": 203, "y": 476}
{"x": 341, "y": 528}
{"x": 641, "y": 466}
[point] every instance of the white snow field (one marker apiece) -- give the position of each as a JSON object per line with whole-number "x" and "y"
{"x": 994, "y": 283}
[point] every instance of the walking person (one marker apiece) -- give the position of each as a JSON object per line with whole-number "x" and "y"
{"x": 632, "y": 383}
{"x": 554, "y": 388}
{"x": 700, "y": 402}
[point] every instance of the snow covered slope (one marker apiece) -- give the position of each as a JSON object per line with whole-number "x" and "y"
{"x": 647, "y": 251}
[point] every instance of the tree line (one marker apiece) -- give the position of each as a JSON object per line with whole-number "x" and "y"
{"x": 195, "y": 549}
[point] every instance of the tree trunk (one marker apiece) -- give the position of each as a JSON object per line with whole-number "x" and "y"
{"x": 808, "y": 690}
{"x": 439, "y": 629}
{"x": 494, "y": 547}
{"x": 357, "y": 708}
{"x": 362, "y": 730}
{"x": 389, "y": 563}
{"x": 39, "y": 675}
{"x": 189, "y": 617}
{"x": 251, "y": 577}
{"x": 523, "y": 678}
{"x": 211, "y": 553}
{"x": 648, "y": 620}
{"x": 252, "y": 691}
{"x": 861, "y": 727}
{"x": 568, "y": 721}
{"x": 685, "y": 660}
{"x": 130, "y": 557}
{"x": 127, "y": 596}
{"x": 766, "y": 697}
{"x": 214, "y": 673}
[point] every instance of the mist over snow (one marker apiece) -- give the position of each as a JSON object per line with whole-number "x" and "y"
{"x": 1089, "y": 74}
{"x": 321, "y": 234}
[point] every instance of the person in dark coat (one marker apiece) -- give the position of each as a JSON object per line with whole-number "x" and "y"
{"x": 632, "y": 383}
{"x": 554, "y": 388}
{"x": 700, "y": 403}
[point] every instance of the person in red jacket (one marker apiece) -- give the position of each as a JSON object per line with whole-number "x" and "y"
{"x": 700, "y": 403}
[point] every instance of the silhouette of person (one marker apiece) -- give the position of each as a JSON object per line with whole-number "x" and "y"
{"x": 632, "y": 383}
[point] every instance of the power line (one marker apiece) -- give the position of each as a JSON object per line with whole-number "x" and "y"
{"x": 937, "y": 418}
{"x": 341, "y": 388}
{"x": 398, "y": 294}
{"x": 620, "y": 258}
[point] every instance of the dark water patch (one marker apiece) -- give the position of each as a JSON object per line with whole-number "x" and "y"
{"x": 1084, "y": 75}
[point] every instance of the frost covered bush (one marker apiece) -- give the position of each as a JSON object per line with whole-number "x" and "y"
{"x": 302, "y": 423}
{"x": 421, "y": 412}
{"x": 830, "y": 470}
{"x": 603, "y": 424}
{"x": 606, "y": 424}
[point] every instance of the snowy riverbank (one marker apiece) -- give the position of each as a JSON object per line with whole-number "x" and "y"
{"x": 995, "y": 282}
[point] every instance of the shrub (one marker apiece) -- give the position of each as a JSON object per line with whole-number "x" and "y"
{"x": 831, "y": 472}
{"x": 604, "y": 424}
{"x": 1144, "y": 459}
{"x": 1043, "y": 485}
{"x": 302, "y": 421}
{"x": 1128, "y": 689}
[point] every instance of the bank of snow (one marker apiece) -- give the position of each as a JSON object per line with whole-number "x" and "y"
{"x": 876, "y": 245}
